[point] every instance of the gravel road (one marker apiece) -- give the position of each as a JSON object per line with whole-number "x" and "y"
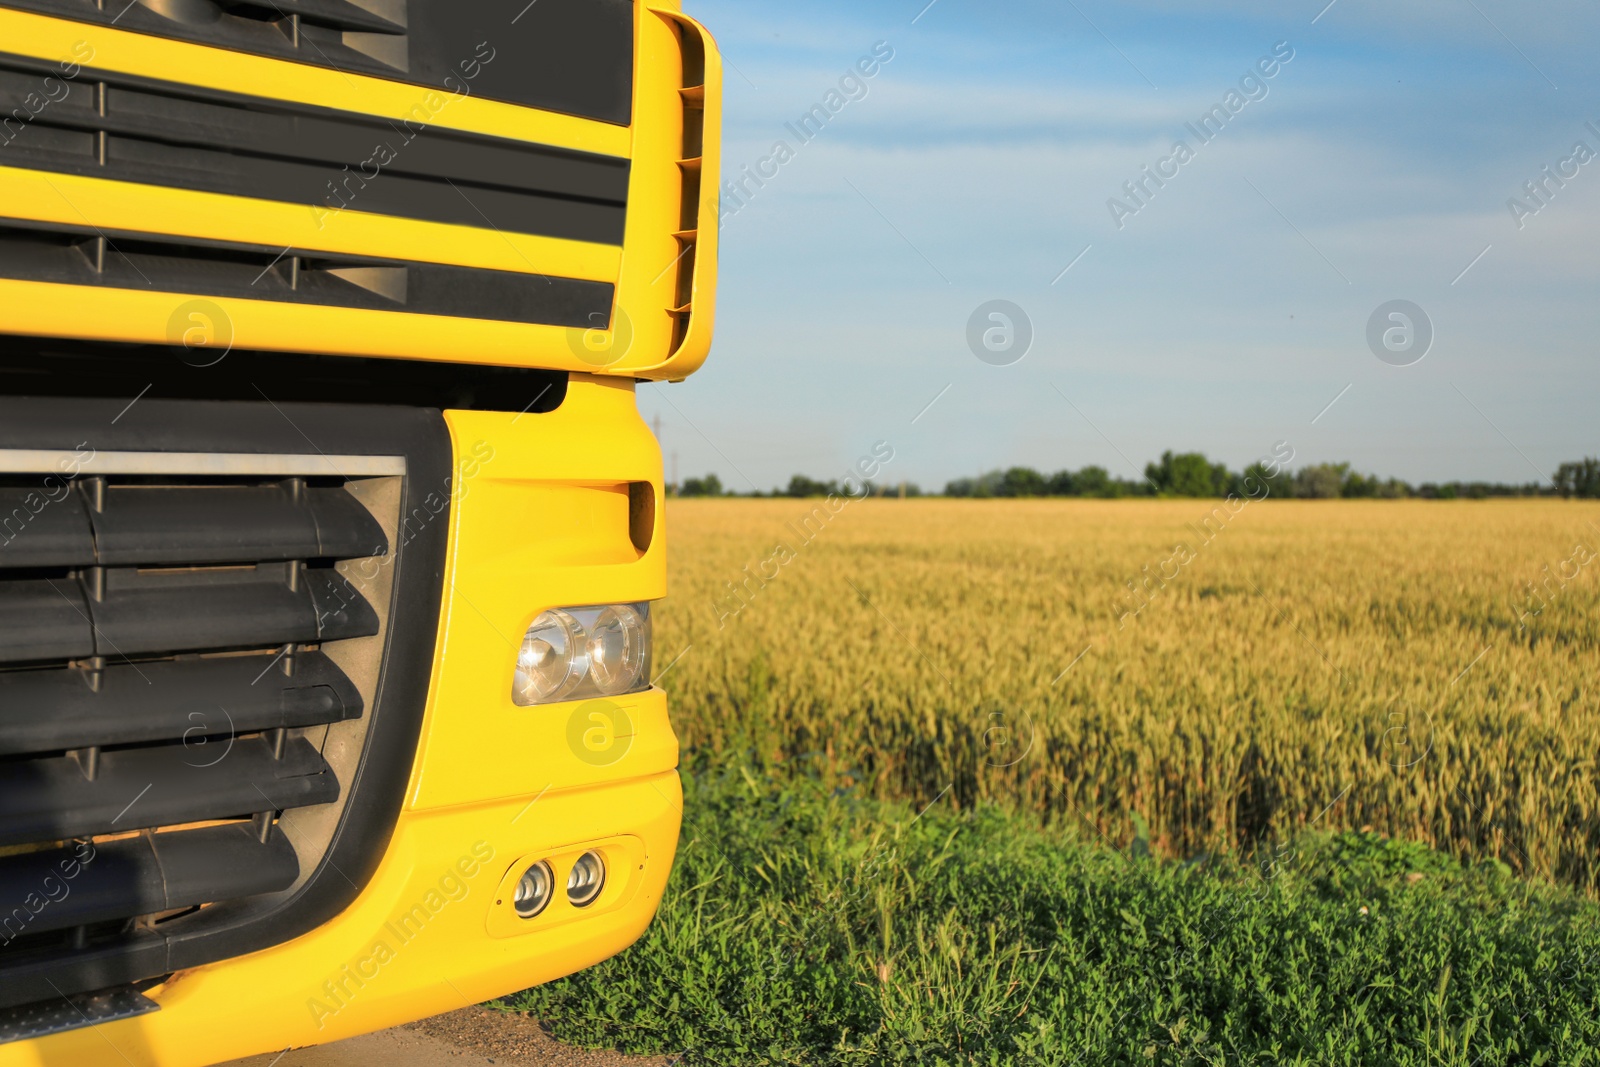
{"x": 462, "y": 1038}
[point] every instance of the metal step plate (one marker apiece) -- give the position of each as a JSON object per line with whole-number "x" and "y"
{"x": 69, "y": 1013}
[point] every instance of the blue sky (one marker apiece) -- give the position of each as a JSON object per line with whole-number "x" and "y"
{"x": 1226, "y": 313}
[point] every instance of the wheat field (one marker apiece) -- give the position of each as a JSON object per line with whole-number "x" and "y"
{"x": 1173, "y": 672}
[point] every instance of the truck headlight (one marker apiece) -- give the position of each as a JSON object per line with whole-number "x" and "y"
{"x": 616, "y": 650}
{"x": 550, "y": 663}
{"x": 574, "y": 653}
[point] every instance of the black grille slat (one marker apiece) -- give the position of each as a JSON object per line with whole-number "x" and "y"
{"x": 145, "y": 875}
{"x": 44, "y": 525}
{"x": 49, "y": 799}
{"x": 345, "y": 529}
{"x": 150, "y": 612}
{"x": 138, "y": 525}
{"x": 54, "y": 710}
{"x": 146, "y": 612}
{"x": 201, "y": 525}
{"x": 164, "y": 116}
{"x": 231, "y": 524}
{"x": 43, "y": 619}
{"x": 341, "y": 611}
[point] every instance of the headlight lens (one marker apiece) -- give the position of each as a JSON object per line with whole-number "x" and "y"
{"x": 550, "y": 663}
{"x": 588, "y": 877}
{"x": 577, "y": 653}
{"x": 616, "y": 650}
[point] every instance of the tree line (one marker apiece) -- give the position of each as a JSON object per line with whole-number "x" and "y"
{"x": 1191, "y": 474}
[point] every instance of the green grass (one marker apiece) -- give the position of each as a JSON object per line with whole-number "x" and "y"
{"x": 808, "y": 927}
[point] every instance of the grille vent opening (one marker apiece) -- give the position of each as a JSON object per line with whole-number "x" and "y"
{"x": 693, "y": 97}
{"x": 185, "y": 664}
{"x": 641, "y": 515}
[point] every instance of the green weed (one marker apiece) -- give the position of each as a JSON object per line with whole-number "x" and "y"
{"x": 805, "y": 925}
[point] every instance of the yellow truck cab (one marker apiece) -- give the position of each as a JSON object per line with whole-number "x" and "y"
{"x": 329, "y": 528}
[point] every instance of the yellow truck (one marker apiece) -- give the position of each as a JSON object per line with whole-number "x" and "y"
{"x": 329, "y": 528}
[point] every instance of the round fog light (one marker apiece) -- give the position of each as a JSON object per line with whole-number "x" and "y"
{"x": 588, "y": 877}
{"x": 534, "y": 890}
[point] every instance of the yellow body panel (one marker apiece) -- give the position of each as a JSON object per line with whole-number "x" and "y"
{"x": 544, "y": 527}
{"x": 535, "y": 523}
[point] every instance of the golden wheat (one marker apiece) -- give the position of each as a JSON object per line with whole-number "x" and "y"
{"x": 1342, "y": 664}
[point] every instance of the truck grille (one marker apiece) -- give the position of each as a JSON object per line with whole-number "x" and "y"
{"x": 194, "y": 650}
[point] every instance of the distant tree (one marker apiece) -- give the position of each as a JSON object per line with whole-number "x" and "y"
{"x": 802, "y": 486}
{"x": 1188, "y": 474}
{"x": 1393, "y": 489}
{"x": 988, "y": 484}
{"x": 1580, "y": 479}
{"x": 1093, "y": 481}
{"x": 1222, "y": 479}
{"x": 1256, "y": 481}
{"x": 1061, "y": 484}
{"x": 1359, "y": 485}
{"x": 960, "y": 487}
{"x": 1322, "y": 481}
{"x": 1021, "y": 481}
{"x": 710, "y": 485}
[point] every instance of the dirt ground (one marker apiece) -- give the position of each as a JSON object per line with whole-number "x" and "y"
{"x": 462, "y": 1038}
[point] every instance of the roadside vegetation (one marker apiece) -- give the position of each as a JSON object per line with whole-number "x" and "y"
{"x": 804, "y": 925}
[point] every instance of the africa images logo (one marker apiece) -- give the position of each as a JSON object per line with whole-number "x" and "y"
{"x": 202, "y": 331}
{"x": 600, "y": 732}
